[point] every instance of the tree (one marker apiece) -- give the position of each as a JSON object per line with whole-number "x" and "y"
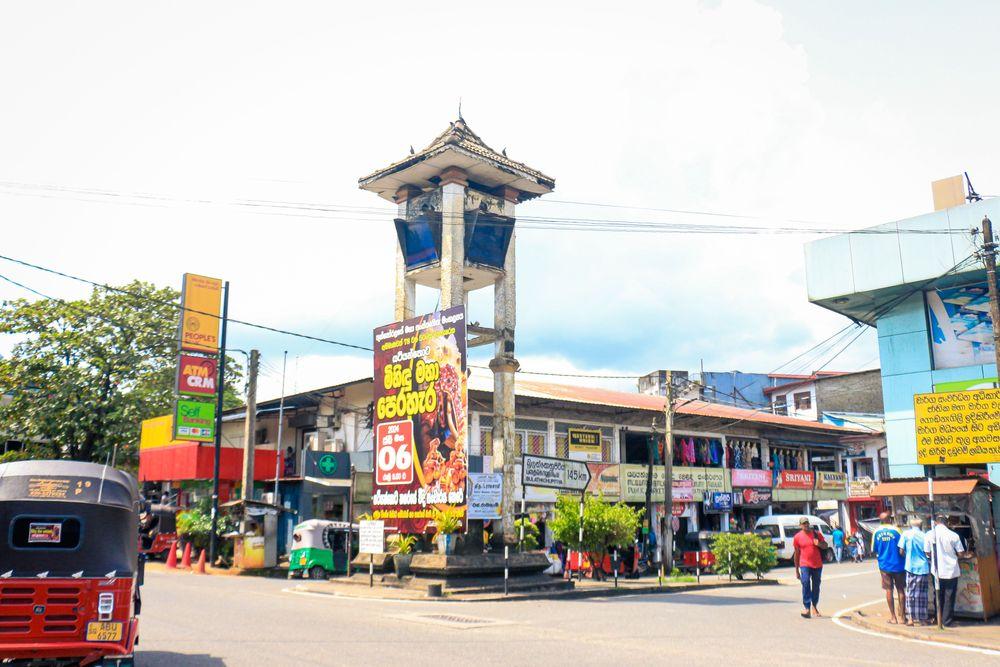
{"x": 605, "y": 526}
{"x": 84, "y": 374}
{"x": 740, "y": 553}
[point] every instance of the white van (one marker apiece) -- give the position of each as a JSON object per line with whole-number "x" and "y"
{"x": 782, "y": 529}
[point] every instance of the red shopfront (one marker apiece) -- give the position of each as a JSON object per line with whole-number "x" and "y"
{"x": 861, "y": 505}
{"x": 191, "y": 461}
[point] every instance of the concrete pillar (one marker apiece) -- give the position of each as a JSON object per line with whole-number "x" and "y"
{"x": 406, "y": 288}
{"x": 504, "y": 365}
{"x": 452, "y": 237}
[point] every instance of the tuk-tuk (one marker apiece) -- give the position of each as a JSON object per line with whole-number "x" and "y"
{"x": 69, "y": 585}
{"x": 157, "y": 530}
{"x": 320, "y": 548}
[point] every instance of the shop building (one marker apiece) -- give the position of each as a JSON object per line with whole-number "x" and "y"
{"x": 917, "y": 282}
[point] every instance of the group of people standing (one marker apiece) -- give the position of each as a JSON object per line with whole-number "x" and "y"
{"x": 906, "y": 561}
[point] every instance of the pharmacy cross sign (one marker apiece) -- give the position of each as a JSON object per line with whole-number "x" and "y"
{"x": 328, "y": 464}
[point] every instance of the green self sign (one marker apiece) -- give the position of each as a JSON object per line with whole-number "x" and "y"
{"x": 194, "y": 420}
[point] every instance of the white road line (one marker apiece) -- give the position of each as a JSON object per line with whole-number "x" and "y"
{"x": 792, "y": 580}
{"x": 334, "y": 596}
{"x": 865, "y": 631}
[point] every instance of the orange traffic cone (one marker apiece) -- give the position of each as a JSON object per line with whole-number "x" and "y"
{"x": 201, "y": 563}
{"x": 186, "y": 558}
{"x": 172, "y": 556}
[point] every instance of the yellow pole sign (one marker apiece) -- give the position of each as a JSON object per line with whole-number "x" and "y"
{"x": 958, "y": 427}
{"x": 201, "y": 299}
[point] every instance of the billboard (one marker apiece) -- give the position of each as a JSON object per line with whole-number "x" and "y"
{"x": 958, "y": 427}
{"x": 201, "y": 300}
{"x": 960, "y": 326}
{"x": 420, "y": 420}
{"x": 585, "y": 442}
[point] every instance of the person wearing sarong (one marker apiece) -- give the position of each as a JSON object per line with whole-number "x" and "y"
{"x": 917, "y": 566}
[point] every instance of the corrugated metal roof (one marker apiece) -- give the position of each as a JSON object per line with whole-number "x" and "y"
{"x": 943, "y": 487}
{"x": 635, "y": 401}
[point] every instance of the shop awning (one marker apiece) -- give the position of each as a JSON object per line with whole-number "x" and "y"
{"x": 944, "y": 487}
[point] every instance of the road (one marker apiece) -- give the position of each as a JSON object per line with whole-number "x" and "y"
{"x": 190, "y": 620}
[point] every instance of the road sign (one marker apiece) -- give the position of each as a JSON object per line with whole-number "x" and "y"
{"x": 553, "y": 473}
{"x": 958, "y": 427}
{"x": 371, "y": 537}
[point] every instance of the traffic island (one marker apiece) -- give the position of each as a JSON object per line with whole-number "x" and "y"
{"x": 964, "y": 632}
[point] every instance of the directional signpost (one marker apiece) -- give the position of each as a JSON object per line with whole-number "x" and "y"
{"x": 553, "y": 473}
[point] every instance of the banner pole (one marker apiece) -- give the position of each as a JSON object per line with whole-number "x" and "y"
{"x": 213, "y": 547}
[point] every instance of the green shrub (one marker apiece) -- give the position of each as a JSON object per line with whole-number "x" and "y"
{"x": 740, "y": 553}
{"x": 531, "y": 534}
{"x": 604, "y": 525}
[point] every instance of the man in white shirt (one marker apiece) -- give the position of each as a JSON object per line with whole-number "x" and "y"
{"x": 945, "y": 548}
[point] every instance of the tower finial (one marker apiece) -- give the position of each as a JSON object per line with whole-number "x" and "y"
{"x": 460, "y": 109}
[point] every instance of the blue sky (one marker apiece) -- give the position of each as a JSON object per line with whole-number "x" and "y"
{"x": 838, "y": 114}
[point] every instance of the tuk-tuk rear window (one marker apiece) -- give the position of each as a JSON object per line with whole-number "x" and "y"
{"x": 45, "y": 532}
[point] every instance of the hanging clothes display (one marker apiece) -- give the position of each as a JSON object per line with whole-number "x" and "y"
{"x": 755, "y": 457}
{"x": 688, "y": 454}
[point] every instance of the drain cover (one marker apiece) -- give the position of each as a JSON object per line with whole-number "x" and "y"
{"x": 455, "y": 621}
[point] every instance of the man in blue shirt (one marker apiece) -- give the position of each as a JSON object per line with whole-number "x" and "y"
{"x": 917, "y": 567}
{"x": 838, "y": 543}
{"x": 885, "y": 545}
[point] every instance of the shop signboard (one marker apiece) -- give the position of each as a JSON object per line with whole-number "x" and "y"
{"x": 831, "y": 481}
{"x": 754, "y": 497}
{"x": 485, "y": 495}
{"x": 197, "y": 375}
{"x": 719, "y": 501}
{"x": 958, "y": 427}
{"x": 744, "y": 477}
{"x": 605, "y": 481}
{"x": 860, "y": 487}
{"x": 420, "y": 419}
{"x": 201, "y": 300}
{"x": 584, "y": 442}
{"x": 698, "y": 480}
{"x": 371, "y": 537}
{"x": 552, "y": 473}
{"x": 796, "y": 479}
{"x": 194, "y": 420}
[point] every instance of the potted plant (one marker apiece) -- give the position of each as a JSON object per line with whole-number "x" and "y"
{"x": 403, "y": 554}
{"x": 446, "y": 524}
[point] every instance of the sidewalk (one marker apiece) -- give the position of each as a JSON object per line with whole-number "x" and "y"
{"x": 582, "y": 589}
{"x": 966, "y": 632}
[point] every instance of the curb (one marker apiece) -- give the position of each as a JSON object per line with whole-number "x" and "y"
{"x": 574, "y": 594}
{"x": 860, "y": 620}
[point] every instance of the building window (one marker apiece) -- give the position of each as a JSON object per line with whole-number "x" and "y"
{"x": 803, "y": 401}
{"x": 781, "y": 405}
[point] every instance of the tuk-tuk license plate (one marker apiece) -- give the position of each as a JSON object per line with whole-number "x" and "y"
{"x": 104, "y": 631}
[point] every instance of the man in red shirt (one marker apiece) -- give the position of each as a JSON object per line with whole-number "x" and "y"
{"x": 808, "y": 545}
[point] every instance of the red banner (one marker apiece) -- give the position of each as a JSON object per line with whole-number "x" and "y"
{"x": 796, "y": 479}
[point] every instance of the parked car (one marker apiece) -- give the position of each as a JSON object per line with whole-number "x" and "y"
{"x": 782, "y": 528}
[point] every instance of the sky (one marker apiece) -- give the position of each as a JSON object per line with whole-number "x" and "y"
{"x": 138, "y": 139}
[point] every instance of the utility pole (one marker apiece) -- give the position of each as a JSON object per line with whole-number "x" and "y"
{"x": 990, "y": 260}
{"x": 667, "y": 534}
{"x": 220, "y": 390}
{"x": 250, "y": 427}
{"x": 278, "y": 459}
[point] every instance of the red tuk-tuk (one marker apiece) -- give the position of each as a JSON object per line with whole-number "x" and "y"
{"x": 69, "y": 568}
{"x": 157, "y": 530}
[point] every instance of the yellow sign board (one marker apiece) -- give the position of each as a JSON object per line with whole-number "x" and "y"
{"x": 201, "y": 300}
{"x": 157, "y": 432}
{"x": 584, "y": 441}
{"x": 958, "y": 427}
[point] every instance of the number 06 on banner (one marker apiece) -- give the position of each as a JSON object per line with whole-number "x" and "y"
{"x": 394, "y": 453}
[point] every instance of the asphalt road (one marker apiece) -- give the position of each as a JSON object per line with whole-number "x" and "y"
{"x": 191, "y": 620}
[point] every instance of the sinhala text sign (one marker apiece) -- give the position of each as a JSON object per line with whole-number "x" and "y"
{"x": 958, "y": 427}
{"x": 553, "y": 473}
{"x": 421, "y": 404}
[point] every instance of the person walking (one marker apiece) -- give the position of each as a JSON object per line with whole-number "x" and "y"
{"x": 838, "y": 543}
{"x": 945, "y": 548}
{"x": 917, "y": 568}
{"x": 885, "y": 545}
{"x": 808, "y": 559}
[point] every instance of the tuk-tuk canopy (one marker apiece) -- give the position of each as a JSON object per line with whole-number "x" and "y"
{"x": 66, "y": 518}
{"x": 314, "y": 533}
{"x": 68, "y": 481}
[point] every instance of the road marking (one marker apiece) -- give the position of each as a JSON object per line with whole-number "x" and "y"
{"x": 793, "y": 580}
{"x": 335, "y": 596}
{"x": 958, "y": 647}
